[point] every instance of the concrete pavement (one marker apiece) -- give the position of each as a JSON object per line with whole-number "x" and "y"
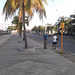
{"x": 15, "y": 60}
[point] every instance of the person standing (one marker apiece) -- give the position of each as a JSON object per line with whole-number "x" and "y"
{"x": 55, "y": 39}
{"x": 45, "y": 41}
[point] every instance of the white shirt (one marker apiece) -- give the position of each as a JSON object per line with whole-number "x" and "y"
{"x": 54, "y": 38}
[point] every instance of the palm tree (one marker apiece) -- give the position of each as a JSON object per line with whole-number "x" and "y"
{"x": 30, "y": 5}
{"x": 18, "y": 25}
{"x": 40, "y": 28}
{"x": 34, "y": 29}
{"x": 27, "y": 7}
{"x": 72, "y": 23}
{"x": 66, "y": 21}
{"x": 50, "y": 28}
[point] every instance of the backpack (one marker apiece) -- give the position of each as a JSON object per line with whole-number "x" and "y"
{"x": 57, "y": 39}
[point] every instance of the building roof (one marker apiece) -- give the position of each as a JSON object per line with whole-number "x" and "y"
{"x": 48, "y": 24}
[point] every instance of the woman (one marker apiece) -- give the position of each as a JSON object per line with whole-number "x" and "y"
{"x": 55, "y": 39}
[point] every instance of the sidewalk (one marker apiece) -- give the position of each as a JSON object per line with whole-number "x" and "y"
{"x": 15, "y": 60}
{"x": 6, "y": 37}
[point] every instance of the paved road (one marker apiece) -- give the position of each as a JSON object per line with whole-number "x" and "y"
{"x": 68, "y": 43}
{"x": 2, "y": 34}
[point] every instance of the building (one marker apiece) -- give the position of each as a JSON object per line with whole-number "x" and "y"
{"x": 49, "y": 29}
{"x": 4, "y": 26}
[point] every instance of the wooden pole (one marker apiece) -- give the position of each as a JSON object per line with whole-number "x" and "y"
{"x": 61, "y": 39}
{"x": 62, "y": 26}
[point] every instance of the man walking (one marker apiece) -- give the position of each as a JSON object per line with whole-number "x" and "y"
{"x": 45, "y": 41}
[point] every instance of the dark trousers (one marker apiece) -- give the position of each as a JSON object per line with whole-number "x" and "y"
{"x": 45, "y": 44}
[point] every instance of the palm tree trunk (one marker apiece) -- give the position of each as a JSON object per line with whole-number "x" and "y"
{"x": 24, "y": 33}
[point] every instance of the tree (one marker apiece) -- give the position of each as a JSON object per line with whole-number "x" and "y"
{"x": 66, "y": 26}
{"x": 64, "y": 20}
{"x": 30, "y": 6}
{"x": 18, "y": 25}
{"x": 27, "y": 7}
{"x": 40, "y": 29}
{"x": 50, "y": 28}
{"x": 72, "y": 23}
{"x": 34, "y": 29}
{"x": 10, "y": 28}
{"x": 72, "y": 16}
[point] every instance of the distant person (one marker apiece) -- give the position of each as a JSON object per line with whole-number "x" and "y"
{"x": 45, "y": 41}
{"x": 55, "y": 39}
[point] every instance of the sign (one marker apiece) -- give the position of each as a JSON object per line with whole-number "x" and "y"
{"x": 62, "y": 25}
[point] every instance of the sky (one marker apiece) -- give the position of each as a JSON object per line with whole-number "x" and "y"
{"x": 54, "y": 10}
